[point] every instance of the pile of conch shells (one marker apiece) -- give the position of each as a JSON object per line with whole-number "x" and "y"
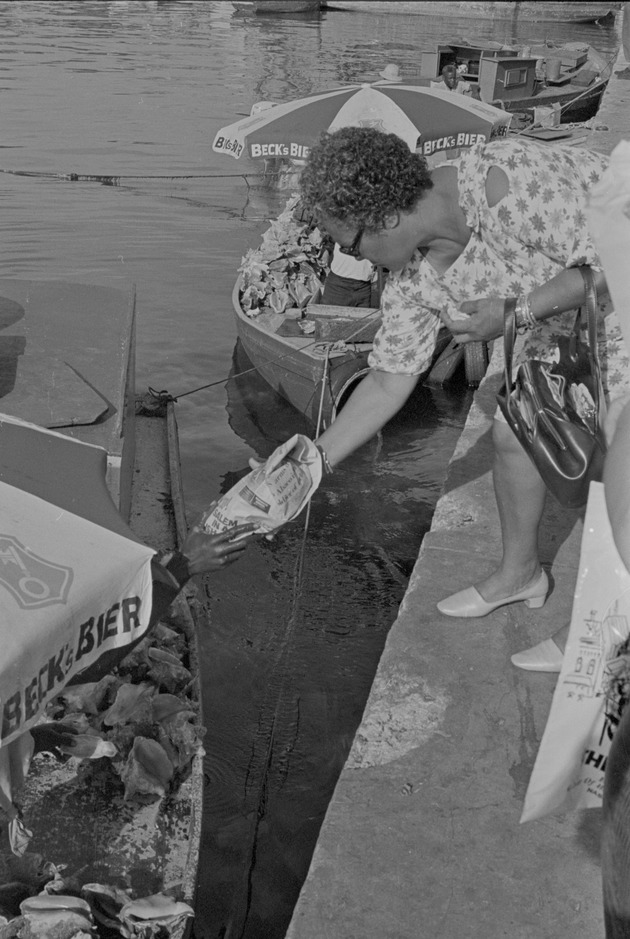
{"x": 55, "y": 916}
{"x": 141, "y": 717}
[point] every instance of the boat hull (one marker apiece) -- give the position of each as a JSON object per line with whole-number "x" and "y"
{"x": 532, "y": 11}
{"x": 577, "y": 105}
{"x": 314, "y": 385}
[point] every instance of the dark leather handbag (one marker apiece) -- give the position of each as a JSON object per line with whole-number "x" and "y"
{"x": 557, "y": 409}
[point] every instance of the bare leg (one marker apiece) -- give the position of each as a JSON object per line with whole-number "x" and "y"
{"x": 520, "y": 495}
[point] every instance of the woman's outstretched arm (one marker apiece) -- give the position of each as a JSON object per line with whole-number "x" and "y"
{"x": 372, "y": 404}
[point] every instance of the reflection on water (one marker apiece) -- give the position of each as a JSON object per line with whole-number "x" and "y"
{"x": 137, "y": 91}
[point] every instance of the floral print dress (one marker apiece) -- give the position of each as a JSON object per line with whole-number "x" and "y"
{"x": 532, "y": 234}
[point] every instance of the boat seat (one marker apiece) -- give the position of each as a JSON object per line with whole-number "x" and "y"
{"x": 346, "y": 329}
{"x": 560, "y": 80}
{"x": 352, "y": 324}
{"x": 584, "y": 77}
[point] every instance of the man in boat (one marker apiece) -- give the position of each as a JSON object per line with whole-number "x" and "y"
{"x": 349, "y": 281}
{"x": 452, "y": 81}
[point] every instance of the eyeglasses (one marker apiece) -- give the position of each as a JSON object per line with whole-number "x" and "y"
{"x": 353, "y": 250}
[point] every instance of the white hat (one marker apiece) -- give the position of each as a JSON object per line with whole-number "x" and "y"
{"x": 391, "y": 73}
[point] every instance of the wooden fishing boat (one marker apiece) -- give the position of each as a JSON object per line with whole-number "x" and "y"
{"x": 569, "y": 78}
{"x": 83, "y": 828}
{"x": 317, "y": 372}
{"x": 307, "y": 372}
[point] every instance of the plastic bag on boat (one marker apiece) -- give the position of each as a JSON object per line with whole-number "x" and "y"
{"x": 272, "y": 494}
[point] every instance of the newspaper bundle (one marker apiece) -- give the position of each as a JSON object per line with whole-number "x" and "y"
{"x": 272, "y": 494}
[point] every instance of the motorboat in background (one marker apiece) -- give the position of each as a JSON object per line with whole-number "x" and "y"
{"x": 568, "y": 77}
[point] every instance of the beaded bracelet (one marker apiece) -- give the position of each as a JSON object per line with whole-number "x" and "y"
{"x": 525, "y": 319}
{"x": 325, "y": 461}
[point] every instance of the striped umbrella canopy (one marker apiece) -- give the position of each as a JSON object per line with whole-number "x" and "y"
{"x": 426, "y": 119}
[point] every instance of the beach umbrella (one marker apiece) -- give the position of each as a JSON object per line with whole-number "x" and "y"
{"x": 428, "y": 120}
{"x": 75, "y": 581}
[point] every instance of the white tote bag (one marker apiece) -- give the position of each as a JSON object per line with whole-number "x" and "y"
{"x": 594, "y": 682}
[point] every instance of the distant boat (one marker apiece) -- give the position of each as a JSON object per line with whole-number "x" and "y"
{"x": 570, "y": 77}
{"x": 276, "y": 7}
{"x": 558, "y": 12}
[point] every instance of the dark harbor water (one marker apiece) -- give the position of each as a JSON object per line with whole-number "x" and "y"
{"x": 136, "y": 91}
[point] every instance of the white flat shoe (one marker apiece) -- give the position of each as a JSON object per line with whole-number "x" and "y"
{"x": 469, "y": 602}
{"x": 544, "y": 657}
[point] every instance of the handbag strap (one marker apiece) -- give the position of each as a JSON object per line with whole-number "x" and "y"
{"x": 509, "y": 338}
{"x": 589, "y": 307}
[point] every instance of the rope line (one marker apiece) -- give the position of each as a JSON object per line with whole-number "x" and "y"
{"x": 113, "y": 179}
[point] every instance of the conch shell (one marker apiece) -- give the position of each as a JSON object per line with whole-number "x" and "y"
{"x": 89, "y": 746}
{"x": 147, "y": 917}
{"x": 87, "y": 697}
{"x": 167, "y": 671}
{"x": 148, "y": 770}
{"x": 133, "y": 703}
{"x": 106, "y": 902}
{"x": 65, "y": 917}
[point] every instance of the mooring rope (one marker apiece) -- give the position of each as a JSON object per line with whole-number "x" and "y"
{"x": 113, "y": 179}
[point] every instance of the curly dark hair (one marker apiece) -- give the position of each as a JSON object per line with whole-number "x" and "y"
{"x": 361, "y": 175}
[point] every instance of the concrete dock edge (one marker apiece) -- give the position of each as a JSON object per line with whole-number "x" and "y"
{"x": 422, "y": 837}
